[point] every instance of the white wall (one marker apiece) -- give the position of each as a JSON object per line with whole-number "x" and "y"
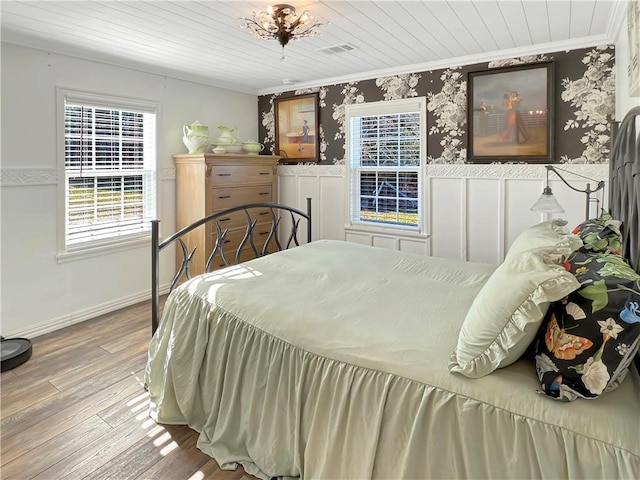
{"x": 475, "y": 212}
{"x": 624, "y": 102}
{"x": 37, "y": 293}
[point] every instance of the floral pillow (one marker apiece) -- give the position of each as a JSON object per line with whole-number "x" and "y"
{"x": 588, "y": 339}
{"x": 600, "y": 234}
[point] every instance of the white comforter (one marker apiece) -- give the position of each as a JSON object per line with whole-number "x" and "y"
{"x": 330, "y": 361}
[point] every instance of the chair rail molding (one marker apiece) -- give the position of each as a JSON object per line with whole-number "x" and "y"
{"x": 312, "y": 169}
{"x": 24, "y": 177}
{"x": 512, "y": 170}
{"x": 17, "y": 177}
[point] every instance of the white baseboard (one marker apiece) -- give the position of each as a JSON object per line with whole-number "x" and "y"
{"x": 87, "y": 314}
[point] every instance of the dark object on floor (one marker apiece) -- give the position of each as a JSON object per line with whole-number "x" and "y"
{"x": 15, "y": 351}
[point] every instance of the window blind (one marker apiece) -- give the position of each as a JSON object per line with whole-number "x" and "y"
{"x": 384, "y": 155}
{"x": 109, "y": 172}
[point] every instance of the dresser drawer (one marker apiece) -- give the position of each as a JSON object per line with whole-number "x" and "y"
{"x": 223, "y": 175}
{"x": 239, "y": 219}
{"x": 234, "y": 196}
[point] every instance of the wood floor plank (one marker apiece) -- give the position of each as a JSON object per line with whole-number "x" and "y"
{"x": 68, "y": 336}
{"x": 63, "y": 360}
{"x": 141, "y": 336}
{"x": 17, "y": 385}
{"x": 55, "y": 450}
{"x": 26, "y": 397}
{"x": 6, "y": 378}
{"x": 136, "y": 406}
{"x": 127, "y": 360}
{"x": 126, "y": 326}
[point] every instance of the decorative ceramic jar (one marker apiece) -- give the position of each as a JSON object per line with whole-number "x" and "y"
{"x": 195, "y": 137}
{"x": 219, "y": 149}
{"x": 251, "y": 147}
{"x": 228, "y": 135}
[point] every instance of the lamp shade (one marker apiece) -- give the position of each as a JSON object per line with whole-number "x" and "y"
{"x": 547, "y": 203}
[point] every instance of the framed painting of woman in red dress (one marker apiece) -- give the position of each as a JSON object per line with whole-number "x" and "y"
{"x": 510, "y": 114}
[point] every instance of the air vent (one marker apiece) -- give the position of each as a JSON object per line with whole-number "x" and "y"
{"x": 345, "y": 47}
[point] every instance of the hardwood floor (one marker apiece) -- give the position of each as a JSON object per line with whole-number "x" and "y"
{"x": 77, "y": 409}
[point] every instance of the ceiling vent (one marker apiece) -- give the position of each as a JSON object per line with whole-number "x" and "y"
{"x": 345, "y": 47}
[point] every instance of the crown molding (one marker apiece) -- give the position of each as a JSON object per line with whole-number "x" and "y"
{"x": 539, "y": 49}
{"x": 616, "y": 20}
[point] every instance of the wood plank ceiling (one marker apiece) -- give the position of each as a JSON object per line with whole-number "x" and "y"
{"x": 201, "y": 41}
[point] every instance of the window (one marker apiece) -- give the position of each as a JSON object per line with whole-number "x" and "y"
{"x": 384, "y": 150}
{"x": 109, "y": 170}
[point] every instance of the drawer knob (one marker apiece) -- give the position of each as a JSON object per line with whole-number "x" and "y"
{"x": 265, "y": 173}
{"x": 265, "y": 193}
{"x": 224, "y": 174}
{"x": 224, "y": 196}
{"x": 224, "y": 219}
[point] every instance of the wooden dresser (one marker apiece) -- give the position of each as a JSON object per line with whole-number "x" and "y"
{"x": 207, "y": 183}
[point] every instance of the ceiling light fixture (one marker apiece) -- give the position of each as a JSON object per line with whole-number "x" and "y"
{"x": 281, "y": 22}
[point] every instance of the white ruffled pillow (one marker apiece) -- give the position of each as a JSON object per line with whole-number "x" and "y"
{"x": 552, "y": 233}
{"x": 505, "y": 316}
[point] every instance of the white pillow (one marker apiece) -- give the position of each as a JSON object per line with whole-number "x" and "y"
{"x": 552, "y": 233}
{"x": 505, "y": 316}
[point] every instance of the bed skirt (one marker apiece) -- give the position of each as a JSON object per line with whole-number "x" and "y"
{"x": 279, "y": 410}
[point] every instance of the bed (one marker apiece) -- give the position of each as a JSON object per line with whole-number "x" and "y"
{"x": 334, "y": 360}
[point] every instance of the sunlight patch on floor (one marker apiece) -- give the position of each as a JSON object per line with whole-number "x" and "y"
{"x": 163, "y": 440}
{"x": 168, "y": 448}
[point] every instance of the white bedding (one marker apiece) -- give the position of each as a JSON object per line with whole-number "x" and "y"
{"x": 330, "y": 361}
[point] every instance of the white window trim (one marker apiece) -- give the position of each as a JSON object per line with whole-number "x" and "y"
{"x": 381, "y": 108}
{"x": 111, "y": 245}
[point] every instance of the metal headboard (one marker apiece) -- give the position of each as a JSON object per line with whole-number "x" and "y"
{"x": 624, "y": 177}
{"x": 279, "y": 238}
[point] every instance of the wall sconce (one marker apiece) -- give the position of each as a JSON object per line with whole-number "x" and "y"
{"x": 547, "y": 202}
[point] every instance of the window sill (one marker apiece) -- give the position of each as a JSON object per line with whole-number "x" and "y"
{"x": 390, "y": 231}
{"x": 95, "y": 250}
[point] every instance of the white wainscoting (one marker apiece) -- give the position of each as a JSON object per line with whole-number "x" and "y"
{"x": 473, "y": 212}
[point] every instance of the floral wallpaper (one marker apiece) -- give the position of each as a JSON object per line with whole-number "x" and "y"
{"x": 593, "y": 99}
{"x": 584, "y": 99}
{"x": 449, "y": 107}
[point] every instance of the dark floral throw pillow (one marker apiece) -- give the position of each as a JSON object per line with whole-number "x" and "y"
{"x": 600, "y": 234}
{"x": 588, "y": 339}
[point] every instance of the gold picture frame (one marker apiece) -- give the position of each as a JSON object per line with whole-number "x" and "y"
{"x": 296, "y": 128}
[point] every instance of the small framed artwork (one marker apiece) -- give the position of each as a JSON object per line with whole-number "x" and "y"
{"x": 510, "y": 114}
{"x": 296, "y": 124}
